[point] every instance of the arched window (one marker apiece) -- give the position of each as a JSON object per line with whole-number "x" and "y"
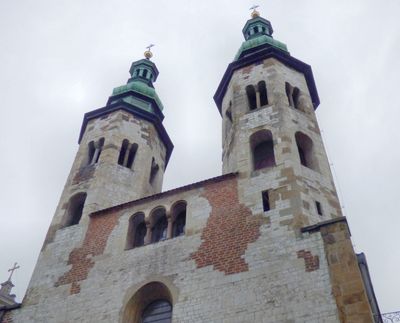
{"x": 94, "y": 151}
{"x": 293, "y": 95}
{"x": 160, "y": 311}
{"x": 179, "y": 218}
{"x": 306, "y": 151}
{"x": 75, "y": 209}
{"x": 127, "y": 154}
{"x": 262, "y": 89}
{"x": 251, "y": 97}
{"x": 152, "y": 303}
{"x": 262, "y": 148}
{"x": 159, "y": 230}
{"x": 136, "y": 231}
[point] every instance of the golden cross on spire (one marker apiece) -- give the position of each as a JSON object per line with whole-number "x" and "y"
{"x": 148, "y": 54}
{"x": 255, "y": 13}
{"x": 14, "y": 268}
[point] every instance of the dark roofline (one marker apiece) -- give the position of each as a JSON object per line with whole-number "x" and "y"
{"x": 318, "y": 226}
{"x": 167, "y": 193}
{"x": 261, "y": 53}
{"x": 121, "y": 105}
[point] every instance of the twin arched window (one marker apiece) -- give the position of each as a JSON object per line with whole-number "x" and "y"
{"x": 94, "y": 151}
{"x": 159, "y": 227}
{"x": 257, "y": 96}
{"x": 127, "y": 154}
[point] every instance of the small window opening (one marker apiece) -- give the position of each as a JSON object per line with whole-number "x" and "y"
{"x": 145, "y": 73}
{"x": 293, "y": 95}
{"x": 262, "y": 147}
{"x": 262, "y": 89}
{"x": 251, "y": 97}
{"x": 179, "y": 216}
{"x": 154, "y": 170}
{"x": 263, "y": 29}
{"x": 306, "y": 151}
{"x": 256, "y": 29}
{"x": 228, "y": 114}
{"x": 127, "y": 154}
{"x": 94, "y": 151}
{"x": 136, "y": 231}
{"x": 265, "y": 200}
{"x": 75, "y": 209}
{"x": 318, "y": 206}
{"x": 160, "y": 229}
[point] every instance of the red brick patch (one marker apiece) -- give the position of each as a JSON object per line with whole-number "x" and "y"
{"x": 311, "y": 262}
{"x": 100, "y": 228}
{"x": 7, "y": 318}
{"x": 230, "y": 228}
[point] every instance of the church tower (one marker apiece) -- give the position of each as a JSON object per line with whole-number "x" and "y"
{"x": 123, "y": 151}
{"x": 267, "y": 100}
{"x": 265, "y": 242}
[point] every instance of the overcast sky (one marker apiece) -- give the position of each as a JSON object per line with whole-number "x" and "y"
{"x": 62, "y": 58}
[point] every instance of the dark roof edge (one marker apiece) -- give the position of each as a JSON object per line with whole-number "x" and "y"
{"x": 363, "y": 265}
{"x": 264, "y": 53}
{"x": 135, "y": 111}
{"x": 167, "y": 193}
{"x": 318, "y": 226}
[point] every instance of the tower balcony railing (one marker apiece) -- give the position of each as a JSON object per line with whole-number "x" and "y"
{"x": 391, "y": 317}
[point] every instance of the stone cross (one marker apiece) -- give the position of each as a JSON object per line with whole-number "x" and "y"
{"x": 14, "y": 268}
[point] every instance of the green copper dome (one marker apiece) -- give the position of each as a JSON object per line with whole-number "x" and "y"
{"x": 139, "y": 91}
{"x": 258, "y": 32}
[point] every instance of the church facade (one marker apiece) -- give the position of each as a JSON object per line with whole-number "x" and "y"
{"x": 264, "y": 242}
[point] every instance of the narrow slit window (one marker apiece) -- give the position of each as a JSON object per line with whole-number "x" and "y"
{"x": 251, "y": 97}
{"x": 265, "y": 201}
{"x": 318, "y": 206}
{"x": 262, "y": 89}
{"x": 94, "y": 151}
{"x": 145, "y": 73}
{"x": 153, "y": 171}
{"x": 305, "y": 148}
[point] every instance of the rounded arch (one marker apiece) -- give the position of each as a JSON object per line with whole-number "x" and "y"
{"x": 75, "y": 207}
{"x": 144, "y": 296}
{"x": 159, "y": 224}
{"x": 262, "y": 149}
{"x": 251, "y": 97}
{"x": 136, "y": 231}
{"x": 305, "y": 148}
{"x": 178, "y": 214}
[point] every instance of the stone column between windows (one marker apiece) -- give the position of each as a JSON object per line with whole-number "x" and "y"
{"x": 147, "y": 238}
{"x": 127, "y": 152}
{"x": 170, "y": 225}
{"x": 96, "y": 152}
{"x": 258, "y": 101}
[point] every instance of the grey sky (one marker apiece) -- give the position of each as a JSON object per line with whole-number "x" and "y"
{"x": 60, "y": 59}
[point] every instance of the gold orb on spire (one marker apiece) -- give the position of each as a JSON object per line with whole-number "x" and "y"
{"x": 148, "y": 54}
{"x": 254, "y": 13}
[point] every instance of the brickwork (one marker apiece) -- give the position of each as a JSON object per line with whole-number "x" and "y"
{"x": 311, "y": 262}
{"x": 7, "y": 318}
{"x": 81, "y": 258}
{"x": 230, "y": 228}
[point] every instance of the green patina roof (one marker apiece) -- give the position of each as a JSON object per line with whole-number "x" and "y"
{"x": 139, "y": 87}
{"x": 258, "y": 41}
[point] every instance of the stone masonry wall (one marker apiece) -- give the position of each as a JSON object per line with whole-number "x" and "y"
{"x": 263, "y": 279}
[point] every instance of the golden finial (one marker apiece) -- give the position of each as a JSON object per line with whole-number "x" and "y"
{"x": 255, "y": 13}
{"x": 148, "y": 54}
